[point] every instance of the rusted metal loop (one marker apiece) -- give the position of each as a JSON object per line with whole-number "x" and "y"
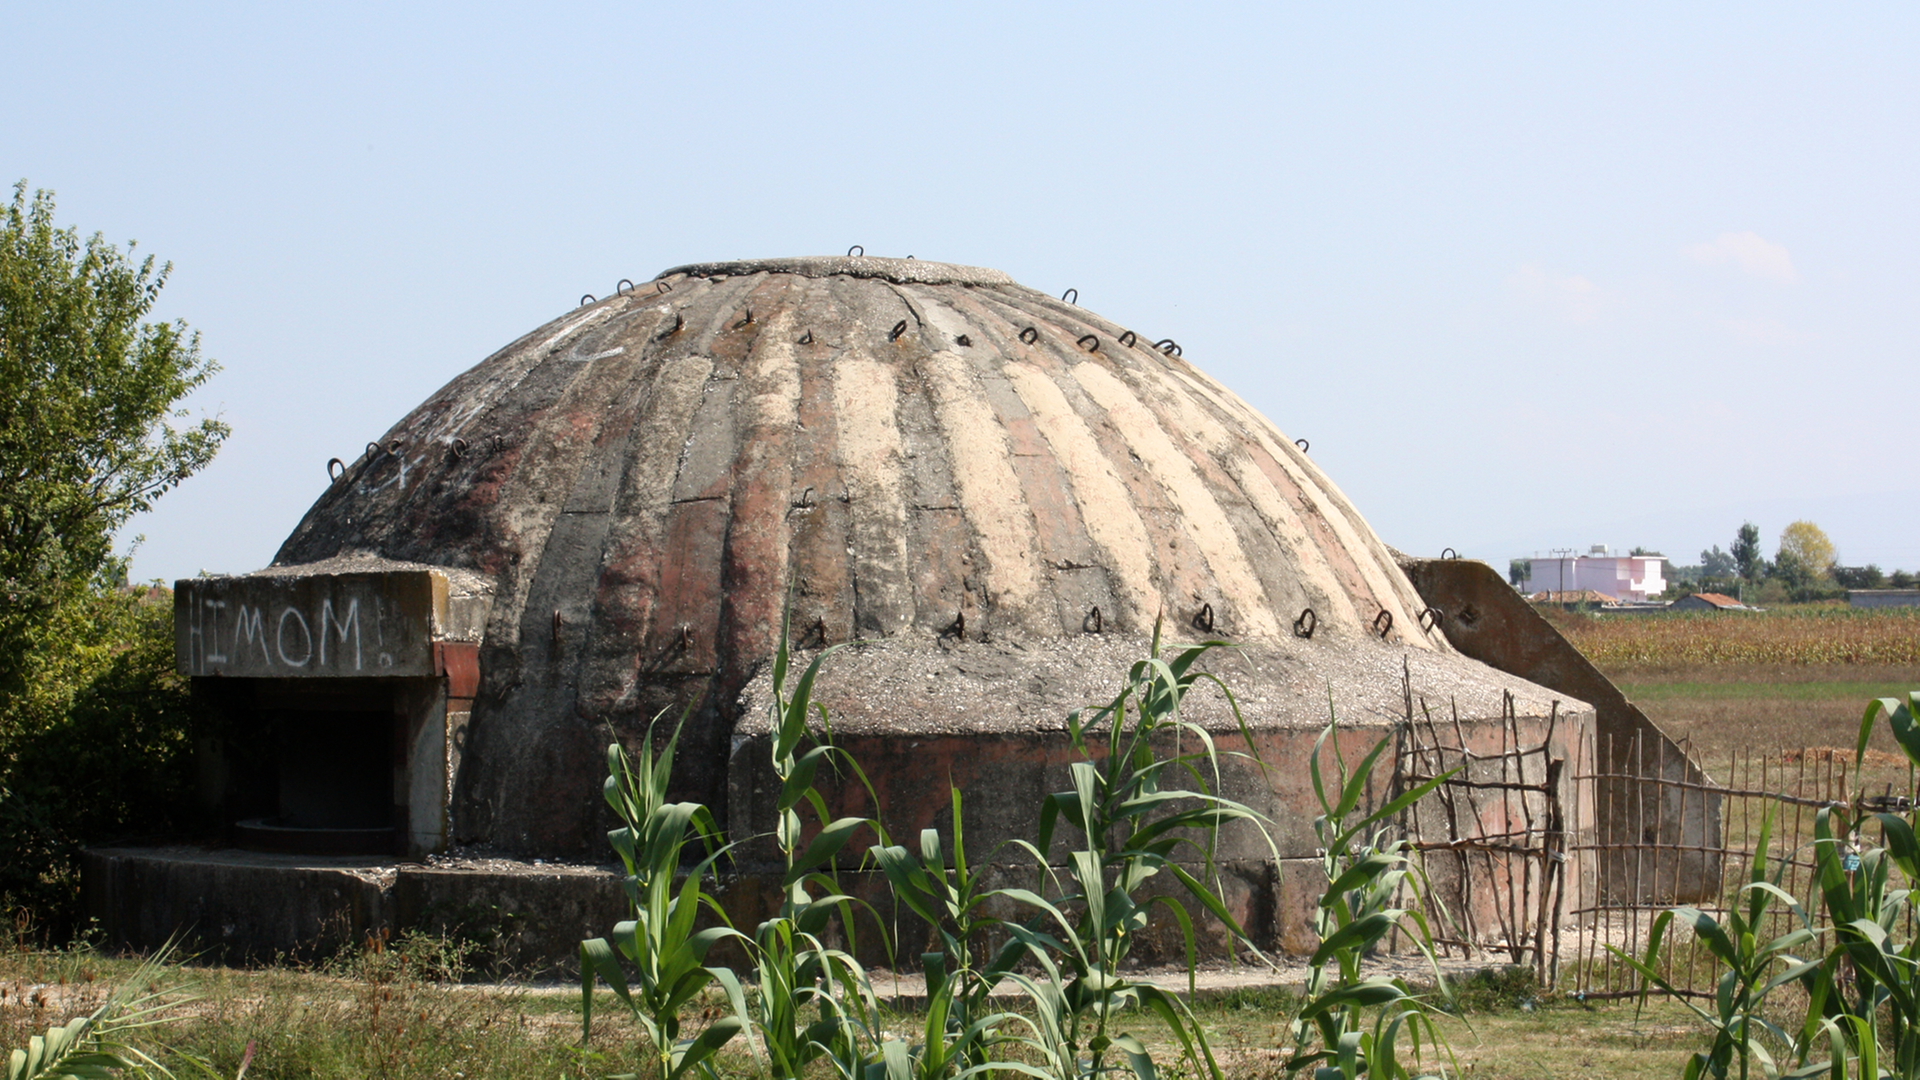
{"x": 959, "y": 627}
{"x": 678, "y": 321}
{"x": 335, "y": 477}
{"x": 1383, "y": 623}
{"x": 963, "y": 341}
{"x": 1168, "y": 346}
{"x": 1029, "y": 335}
{"x": 496, "y": 442}
{"x": 748, "y": 321}
{"x": 1430, "y": 618}
{"x": 661, "y": 287}
{"x": 624, "y": 288}
{"x": 1093, "y": 623}
{"x": 585, "y": 299}
{"x": 556, "y": 624}
{"x": 806, "y": 499}
{"x": 1095, "y": 347}
{"x": 458, "y": 448}
{"x": 807, "y": 338}
{"x": 1302, "y": 444}
{"x": 1449, "y": 553}
{"x": 1071, "y": 296}
{"x": 684, "y": 640}
{"x": 394, "y": 446}
{"x": 374, "y": 450}
{"x": 1306, "y": 624}
{"x": 1203, "y": 619}
{"x": 1128, "y": 339}
{"x": 898, "y": 329}
{"x": 820, "y": 629}
{"x": 856, "y": 248}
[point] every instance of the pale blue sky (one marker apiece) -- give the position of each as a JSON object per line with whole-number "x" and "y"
{"x": 1526, "y": 276}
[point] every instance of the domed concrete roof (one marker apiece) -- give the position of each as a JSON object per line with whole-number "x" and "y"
{"x": 936, "y": 457}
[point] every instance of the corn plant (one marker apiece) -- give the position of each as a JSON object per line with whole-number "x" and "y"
{"x": 96, "y": 1046}
{"x": 668, "y": 955}
{"x": 1754, "y": 969}
{"x": 1138, "y": 801}
{"x": 797, "y": 970}
{"x": 960, "y": 1029}
{"x": 1868, "y": 909}
{"x": 1867, "y": 892}
{"x": 1369, "y": 876}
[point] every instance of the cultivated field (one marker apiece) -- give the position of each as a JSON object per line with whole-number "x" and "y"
{"x": 1830, "y": 635}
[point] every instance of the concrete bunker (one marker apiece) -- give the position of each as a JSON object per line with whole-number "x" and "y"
{"x": 991, "y": 495}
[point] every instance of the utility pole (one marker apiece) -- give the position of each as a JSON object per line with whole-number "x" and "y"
{"x": 1560, "y": 556}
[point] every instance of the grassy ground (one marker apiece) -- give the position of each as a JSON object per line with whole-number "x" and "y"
{"x": 380, "y": 1016}
{"x": 1781, "y": 707}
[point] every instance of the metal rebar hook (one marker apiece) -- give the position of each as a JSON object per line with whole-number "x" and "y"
{"x": 1302, "y": 444}
{"x": 1029, "y": 335}
{"x": 585, "y": 299}
{"x": 856, "y": 248}
{"x": 1203, "y": 619}
{"x": 336, "y": 477}
{"x": 1305, "y": 625}
{"x": 1168, "y": 346}
{"x": 1430, "y": 618}
{"x": 1095, "y": 347}
{"x": 898, "y": 329}
{"x": 624, "y": 287}
{"x": 1128, "y": 339}
{"x": 1071, "y": 296}
{"x": 1383, "y": 623}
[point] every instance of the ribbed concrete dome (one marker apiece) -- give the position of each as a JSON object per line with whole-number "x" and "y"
{"x": 935, "y": 455}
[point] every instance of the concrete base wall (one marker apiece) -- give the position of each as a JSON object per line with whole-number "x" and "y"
{"x": 528, "y": 919}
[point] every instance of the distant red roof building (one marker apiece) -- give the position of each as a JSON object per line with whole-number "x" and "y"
{"x": 1708, "y": 601}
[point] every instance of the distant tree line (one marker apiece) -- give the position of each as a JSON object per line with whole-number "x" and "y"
{"x": 1804, "y": 567}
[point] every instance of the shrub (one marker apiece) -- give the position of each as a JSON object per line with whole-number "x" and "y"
{"x": 97, "y": 747}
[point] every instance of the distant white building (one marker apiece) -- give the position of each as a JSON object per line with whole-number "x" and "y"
{"x": 1623, "y": 577}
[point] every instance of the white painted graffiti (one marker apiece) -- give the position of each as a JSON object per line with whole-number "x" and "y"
{"x": 268, "y": 637}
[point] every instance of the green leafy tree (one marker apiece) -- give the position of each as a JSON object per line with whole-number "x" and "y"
{"x": 93, "y": 721}
{"x": 90, "y": 430}
{"x": 1746, "y": 552}
{"x": 1518, "y": 571}
{"x": 1715, "y": 563}
{"x": 1869, "y": 576}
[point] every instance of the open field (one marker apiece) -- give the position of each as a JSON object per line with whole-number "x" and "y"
{"x": 1795, "y": 678}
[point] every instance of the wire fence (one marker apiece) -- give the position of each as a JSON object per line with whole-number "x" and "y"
{"x": 1553, "y": 850}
